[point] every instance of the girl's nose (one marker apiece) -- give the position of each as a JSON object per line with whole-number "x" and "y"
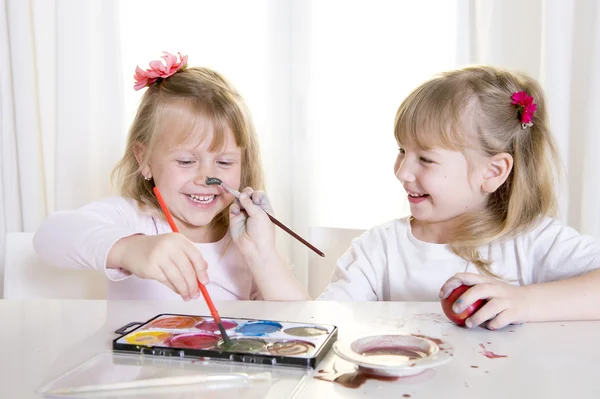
{"x": 402, "y": 170}
{"x": 201, "y": 174}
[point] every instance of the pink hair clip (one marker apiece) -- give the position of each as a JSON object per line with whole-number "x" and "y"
{"x": 526, "y": 108}
{"x": 159, "y": 70}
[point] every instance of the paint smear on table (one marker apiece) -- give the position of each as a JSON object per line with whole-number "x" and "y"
{"x": 489, "y": 354}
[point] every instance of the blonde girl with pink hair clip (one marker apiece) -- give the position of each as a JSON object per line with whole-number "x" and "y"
{"x": 191, "y": 124}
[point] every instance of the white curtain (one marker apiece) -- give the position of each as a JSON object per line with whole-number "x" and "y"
{"x": 61, "y": 108}
{"x": 557, "y": 42}
{"x": 323, "y": 80}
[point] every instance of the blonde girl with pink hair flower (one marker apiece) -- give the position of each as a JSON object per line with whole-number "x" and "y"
{"x": 191, "y": 124}
{"x": 479, "y": 165}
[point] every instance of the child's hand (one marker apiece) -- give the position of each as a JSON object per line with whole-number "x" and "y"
{"x": 170, "y": 258}
{"x": 506, "y": 304}
{"x": 250, "y": 227}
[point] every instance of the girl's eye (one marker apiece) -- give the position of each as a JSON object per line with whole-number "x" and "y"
{"x": 184, "y": 162}
{"x": 225, "y": 163}
{"x": 401, "y": 150}
{"x": 425, "y": 160}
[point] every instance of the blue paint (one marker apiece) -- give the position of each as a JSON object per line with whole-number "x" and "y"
{"x": 257, "y": 328}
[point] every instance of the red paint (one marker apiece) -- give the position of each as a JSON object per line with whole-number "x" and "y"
{"x": 488, "y": 354}
{"x": 411, "y": 353}
{"x": 194, "y": 341}
{"x": 459, "y": 318}
{"x": 436, "y": 340}
{"x": 212, "y": 326}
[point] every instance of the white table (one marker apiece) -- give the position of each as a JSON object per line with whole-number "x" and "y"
{"x": 546, "y": 360}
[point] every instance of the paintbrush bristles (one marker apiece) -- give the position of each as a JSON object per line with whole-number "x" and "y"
{"x": 210, "y": 181}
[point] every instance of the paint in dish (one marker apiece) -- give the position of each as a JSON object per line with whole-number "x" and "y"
{"x": 290, "y": 347}
{"x": 175, "y": 322}
{"x": 147, "y": 337}
{"x": 213, "y": 327}
{"x": 258, "y": 328}
{"x": 306, "y": 331}
{"x": 243, "y": 345}
{"x": 193, "y": 341}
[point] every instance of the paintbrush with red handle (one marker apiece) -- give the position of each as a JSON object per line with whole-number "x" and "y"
{"x": 209, "y": 302}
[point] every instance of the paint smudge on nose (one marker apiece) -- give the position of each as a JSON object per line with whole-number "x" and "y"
{"x": 259, "y": 328}
{"x": 307, "y": 331}
{"x": 147, "y": 337}
{"x": 244, "y": 345}
{"x": 290, "y": 348}
{"x": 193, "y": 341}
{"x": 213, "y": 327}
{"x": 176, "y": 322}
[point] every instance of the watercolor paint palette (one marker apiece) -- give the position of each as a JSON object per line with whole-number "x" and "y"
{"x": 252, "y": 341}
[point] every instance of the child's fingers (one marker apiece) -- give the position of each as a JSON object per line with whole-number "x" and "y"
{"x": 251, "y": 209}
{"x": 459, "y": 279}
{"x": 501, "y": 320}
{"x": 259, "y": 198}
{"x": 199, "y": 266}
{"x": 183, "y": 261}
{"x": 487, "y": 312}
{"x": 164, "y": 280}
{"x": 174, "y": 276}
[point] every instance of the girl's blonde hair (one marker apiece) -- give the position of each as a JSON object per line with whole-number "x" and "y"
{"x": 204, "y": 94}
{"x": 471, "y": 108}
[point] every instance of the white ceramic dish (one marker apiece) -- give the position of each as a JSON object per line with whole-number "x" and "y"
{"x": 396, "y": 355}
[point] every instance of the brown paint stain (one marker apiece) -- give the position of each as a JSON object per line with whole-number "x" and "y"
{"x": 358, "y": 378}
{"x": 406, "y": 395}
{"x": 474, "y": 367}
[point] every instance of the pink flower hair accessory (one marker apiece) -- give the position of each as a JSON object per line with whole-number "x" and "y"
{"x": 526, "y": 106}
{"x": 159, "y": 70}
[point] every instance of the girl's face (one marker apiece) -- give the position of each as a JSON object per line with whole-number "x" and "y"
{"x": 439, "y": 184}
{"x": 180, "y": 170}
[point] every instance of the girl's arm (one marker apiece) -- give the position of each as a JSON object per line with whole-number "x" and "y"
{"x": 82, "y": 238}
{"x": 575, "y": 298}
{"x": 562, "y": 281}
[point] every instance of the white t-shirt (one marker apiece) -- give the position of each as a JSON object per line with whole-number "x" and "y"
{"x": 82, "y": 238}
{"x": 387, "y": 263}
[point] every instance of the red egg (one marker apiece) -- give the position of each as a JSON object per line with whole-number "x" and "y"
{"x": 460, "y": 317}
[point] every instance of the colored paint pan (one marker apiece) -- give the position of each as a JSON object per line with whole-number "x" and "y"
{"x": 193, "y": 341}
{"x": 290, "y": 347}
{"x": 259, "y": 328}
{"x": 175, "y": 322}
{"x": 147, "y": 337}
{"x": 306, "y": 331}
{"x": 213, "y": 327}
{"x": 243, "y": 345}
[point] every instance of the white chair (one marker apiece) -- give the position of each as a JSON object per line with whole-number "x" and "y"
{"x": 333, "y": 241}
{"x": 27, "y": 277}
